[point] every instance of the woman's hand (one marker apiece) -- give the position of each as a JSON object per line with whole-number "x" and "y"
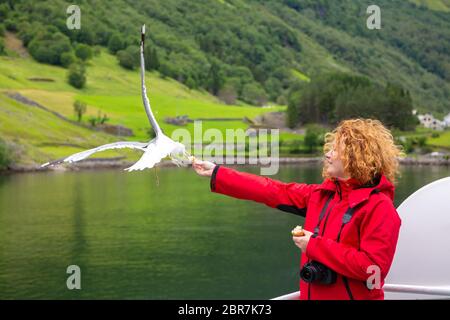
{"x": 302, "y": 242}
{"x": 203, "y": 168}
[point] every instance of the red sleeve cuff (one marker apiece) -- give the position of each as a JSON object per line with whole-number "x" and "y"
{"x": 212, "y": 183}
{"x": 311, "y": 248}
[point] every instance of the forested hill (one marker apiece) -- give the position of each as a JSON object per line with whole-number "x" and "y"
{"x": 254, "y": 50}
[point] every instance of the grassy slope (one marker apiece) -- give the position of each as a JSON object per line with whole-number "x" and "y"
{"x": 442, "y": 141}
{"x": 112, "y": 90}
{"x": 37, "y": 134}
{"x": 437, "y": 5}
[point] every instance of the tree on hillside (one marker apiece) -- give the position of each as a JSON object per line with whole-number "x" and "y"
{"x": 77, "y": 75}
{"x": 311, "y": 139}
{"x": 80, "y": 108}
{"x": 399, "y": 107}
{"x": 49, "y": 46}
{"x": 67, "y": 58}
{"x": 83, "y": 51}
{"x": 254, "y": 93}
{"x": 115, "y": 43}
{"x": 293, "y": 116}
{"x": 151, "y": 58}
{"x": 2, "y": 47}
{"x": 215, "y": 78}
{"x": 129, "y": 58}
{"x": 273, "y": 87}
{"x": 84, "y": 35}
{"x": 191, "y": 83}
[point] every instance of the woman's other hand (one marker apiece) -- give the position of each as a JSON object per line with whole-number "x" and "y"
{"x": 302, "y": 242}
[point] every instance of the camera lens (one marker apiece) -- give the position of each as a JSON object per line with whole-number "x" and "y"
{"x": 308, "y": 273}
{"x": 316, "y": 272}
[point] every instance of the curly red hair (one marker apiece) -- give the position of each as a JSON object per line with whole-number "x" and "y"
{"x": 367, "y": 150}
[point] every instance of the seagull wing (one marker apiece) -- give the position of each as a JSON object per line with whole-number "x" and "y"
{"x": 159, "y": 148}
{"x": 145, "y": 99}
{"x": 84, "y": 154}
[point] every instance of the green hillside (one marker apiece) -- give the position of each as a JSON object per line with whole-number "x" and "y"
{"x": 257, "y": 47}
{"x": 438, "y": 5}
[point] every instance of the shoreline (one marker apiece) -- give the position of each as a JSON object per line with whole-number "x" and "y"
{"x": 112, "y": 163}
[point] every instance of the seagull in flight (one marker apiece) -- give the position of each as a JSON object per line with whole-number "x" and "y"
{"x": 154, "y": 151}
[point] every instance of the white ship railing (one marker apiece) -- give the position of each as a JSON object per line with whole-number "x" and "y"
{"x": 403, "y": 288}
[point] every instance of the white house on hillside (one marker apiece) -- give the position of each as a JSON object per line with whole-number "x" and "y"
{"x": 428, "y": 121}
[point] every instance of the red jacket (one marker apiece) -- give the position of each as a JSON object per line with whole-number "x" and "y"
{"x": 368, "y": 239}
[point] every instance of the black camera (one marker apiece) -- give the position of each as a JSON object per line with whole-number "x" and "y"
{"x": 316, "y": 272}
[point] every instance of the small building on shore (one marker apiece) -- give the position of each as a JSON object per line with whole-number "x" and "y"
{"x": 429, "y": 121}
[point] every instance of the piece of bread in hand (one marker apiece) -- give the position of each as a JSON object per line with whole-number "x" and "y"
{"x": 298, "y": 231}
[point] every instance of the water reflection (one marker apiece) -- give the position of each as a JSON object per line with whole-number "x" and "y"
{"x": 134, "y": 238}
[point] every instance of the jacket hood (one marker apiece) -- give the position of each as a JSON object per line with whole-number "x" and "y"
{"x": 358, "y": 193}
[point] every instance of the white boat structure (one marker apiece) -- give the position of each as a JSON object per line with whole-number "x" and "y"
{"x": 421, "y": 266}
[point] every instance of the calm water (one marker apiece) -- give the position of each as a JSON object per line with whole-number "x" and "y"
{"x": 135, "y": 239}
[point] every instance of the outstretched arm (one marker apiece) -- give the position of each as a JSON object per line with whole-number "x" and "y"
{"x": 289, "y": 197}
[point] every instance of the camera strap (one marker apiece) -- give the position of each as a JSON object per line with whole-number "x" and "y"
{"x": 345, "y": 219}
{"x": 321, "y": 216}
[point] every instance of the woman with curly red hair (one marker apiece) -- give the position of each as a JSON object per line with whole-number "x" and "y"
{"x": 351, "y": 225}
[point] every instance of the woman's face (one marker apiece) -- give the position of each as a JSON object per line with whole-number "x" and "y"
{"x": 334, "y": 165}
